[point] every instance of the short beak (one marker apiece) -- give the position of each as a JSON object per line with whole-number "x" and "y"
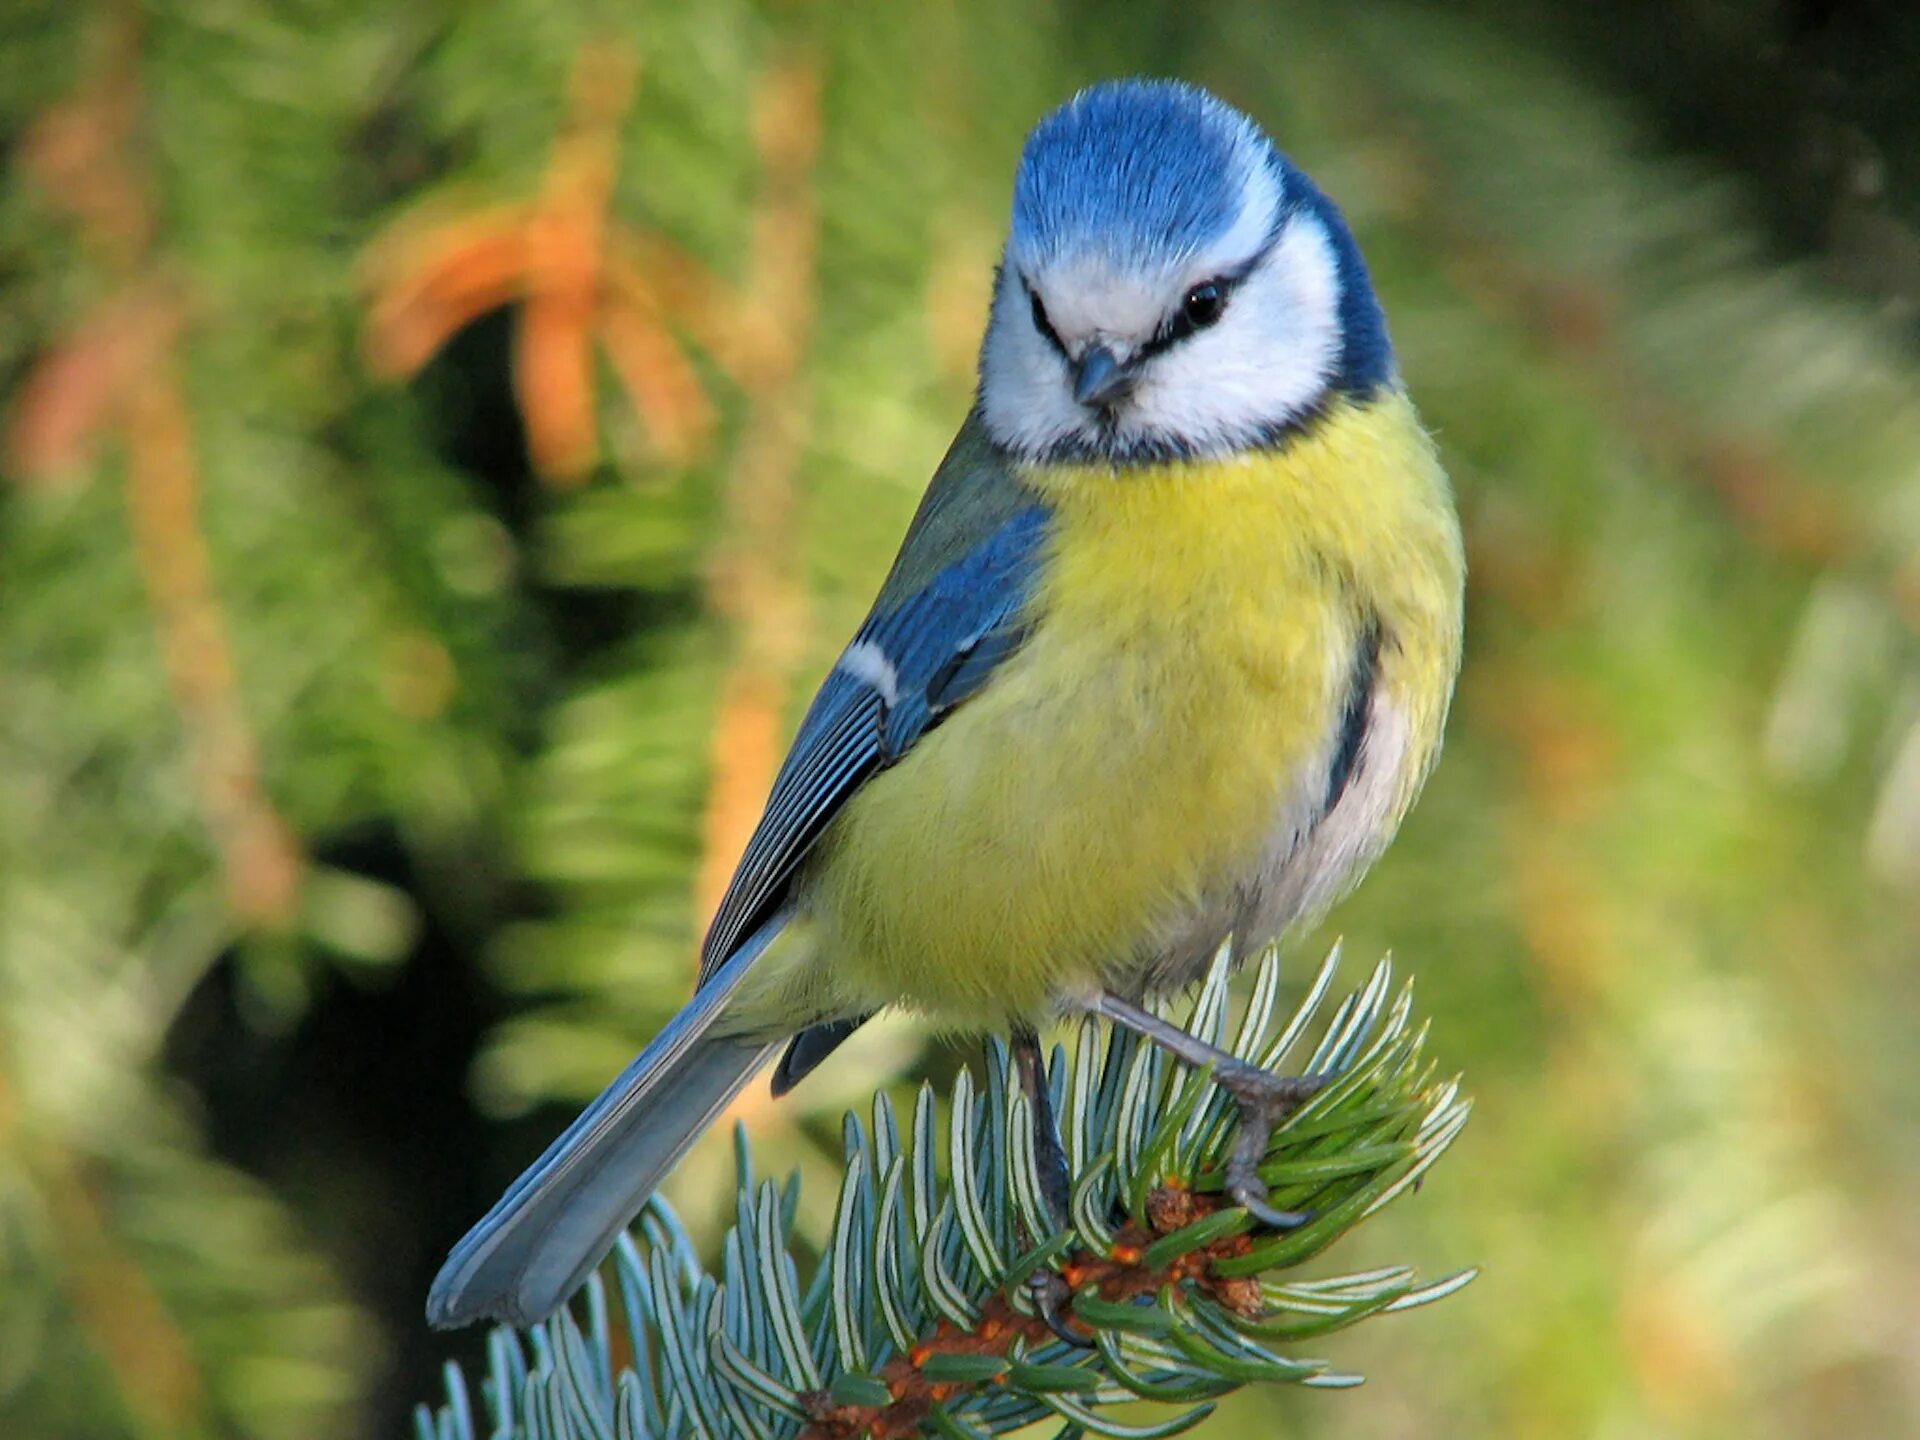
{"x": 1099, "y": 378}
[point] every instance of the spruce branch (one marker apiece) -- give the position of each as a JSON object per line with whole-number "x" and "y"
{"x": 920, "y": 1318}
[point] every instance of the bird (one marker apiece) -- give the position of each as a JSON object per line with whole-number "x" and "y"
{"x": 1163, "y": 661}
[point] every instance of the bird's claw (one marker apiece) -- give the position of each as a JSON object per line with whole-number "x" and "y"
{"x": 1265, "y": 1100}
{"x": 1051, "y": 1295}
{"x": 1250, "y": 1193}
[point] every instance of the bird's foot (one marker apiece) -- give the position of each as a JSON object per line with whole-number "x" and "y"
{"x": 1265, "y": 1099}
{"x": 1052, "y": 1299}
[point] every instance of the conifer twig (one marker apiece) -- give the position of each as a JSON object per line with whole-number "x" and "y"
{"x": 919, "y": 1318}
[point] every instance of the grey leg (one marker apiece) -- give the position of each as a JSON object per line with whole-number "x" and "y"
{"x": 1049, "y": 1155}
{"x": 1264, "y": 1099}
{"x": 1051, "y": 1293}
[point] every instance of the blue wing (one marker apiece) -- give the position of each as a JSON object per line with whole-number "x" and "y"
{"x": 954, "y": 608}
{"x": 918, "y": 655}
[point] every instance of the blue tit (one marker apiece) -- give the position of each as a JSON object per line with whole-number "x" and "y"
{"x": 1162, "y": 663}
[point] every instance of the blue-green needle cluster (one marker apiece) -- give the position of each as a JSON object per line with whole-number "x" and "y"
{"x": 919, "y": 1316}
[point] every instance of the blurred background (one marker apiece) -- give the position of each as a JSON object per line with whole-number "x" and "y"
{"x": 441, "y": 446}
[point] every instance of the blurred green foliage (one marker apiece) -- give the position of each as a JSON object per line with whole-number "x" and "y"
{"x": 364, "y": 751}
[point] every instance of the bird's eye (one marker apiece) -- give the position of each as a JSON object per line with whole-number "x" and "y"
{"x": 1204, "y": 304}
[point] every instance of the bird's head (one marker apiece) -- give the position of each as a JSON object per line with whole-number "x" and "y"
{"x": 1172, "y": 286}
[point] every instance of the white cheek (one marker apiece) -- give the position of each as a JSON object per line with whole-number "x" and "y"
{"x": 1025, "y": 393}
{"x": 1266, "y": 363}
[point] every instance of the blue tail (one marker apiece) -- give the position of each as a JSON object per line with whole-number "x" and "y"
{"x": 559, "y": 1219}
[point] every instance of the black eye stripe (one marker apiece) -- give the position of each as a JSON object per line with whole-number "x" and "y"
{"x": 1179, "y": 325}
{"x": 1042, "y": 323}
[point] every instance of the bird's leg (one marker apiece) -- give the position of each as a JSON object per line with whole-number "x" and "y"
{"x": 1265, "y": 1099}
{"x": 1051, "y": 1293}
{"x": 1049, "y": 1154}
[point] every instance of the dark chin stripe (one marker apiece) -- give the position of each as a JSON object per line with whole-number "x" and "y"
{"x": 1165, "y": 449}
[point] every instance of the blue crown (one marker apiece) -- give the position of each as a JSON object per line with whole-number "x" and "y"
{"x": 1148, "y": 171}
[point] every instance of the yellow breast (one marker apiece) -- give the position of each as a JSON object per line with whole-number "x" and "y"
{"x": 1191, "y": 650}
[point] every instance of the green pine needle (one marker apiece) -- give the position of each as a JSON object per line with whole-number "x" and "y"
{"x": 920, "y": 1318}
